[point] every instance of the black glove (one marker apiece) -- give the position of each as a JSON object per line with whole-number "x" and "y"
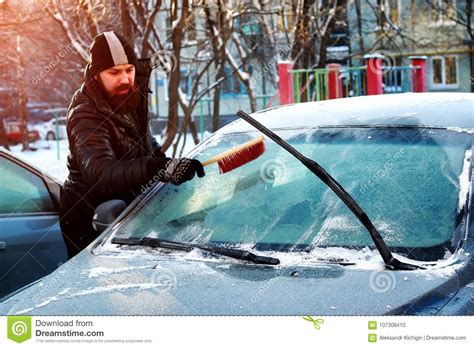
{"x": 178, "y": 171}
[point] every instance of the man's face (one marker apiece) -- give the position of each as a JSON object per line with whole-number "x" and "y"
{"x": 118, "y": 84}
{"x": 117, "y": 80}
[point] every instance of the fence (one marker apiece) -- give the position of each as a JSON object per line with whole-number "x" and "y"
{"x": 397, "y": 79}
{"x": 317, "y": 84}
{"x": 302, "y": 85}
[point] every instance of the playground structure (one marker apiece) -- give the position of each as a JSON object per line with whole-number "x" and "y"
{"x": 335, "y": 81}
{"x": 377, "y": 76}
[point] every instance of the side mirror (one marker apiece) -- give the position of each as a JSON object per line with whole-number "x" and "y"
{"x": 106, "y": 213}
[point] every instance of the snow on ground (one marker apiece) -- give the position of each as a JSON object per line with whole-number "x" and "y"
{"x": 51, "y": 155}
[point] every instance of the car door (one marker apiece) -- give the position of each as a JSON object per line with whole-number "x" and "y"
{"x": 31, "y": 245}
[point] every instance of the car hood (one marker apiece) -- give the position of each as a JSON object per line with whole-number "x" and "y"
{"x": 169, "y": 285}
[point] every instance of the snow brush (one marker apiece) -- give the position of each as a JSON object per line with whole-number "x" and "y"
{"x": 238, "y": 156}
{"x": 390, "y": 261}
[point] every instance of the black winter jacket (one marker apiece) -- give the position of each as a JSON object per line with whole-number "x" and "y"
{"x": 108, "y": 153}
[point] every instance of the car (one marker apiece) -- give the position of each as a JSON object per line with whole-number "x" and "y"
{"x": 14, "y": 134}
{"x": 371, "y": 214}
{"x": 56, "y": 129}
{"x": 31, "y": 245}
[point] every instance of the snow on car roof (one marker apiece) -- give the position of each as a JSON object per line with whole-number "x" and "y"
{"x": 444, "y": 110}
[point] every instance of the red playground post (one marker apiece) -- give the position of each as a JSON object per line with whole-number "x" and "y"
{"x": 418, "y": 80}
{"x": 373, "y": 63}
{"x": 334, "y": 81}
{"x": 285, "y": 82}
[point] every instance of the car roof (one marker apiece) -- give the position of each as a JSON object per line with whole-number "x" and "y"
{"x": 443, "y": 110}
{"x": 29, "y": 166}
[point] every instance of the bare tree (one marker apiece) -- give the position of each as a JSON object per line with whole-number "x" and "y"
{"x": 177, "y": 35}
{"x": 314, "y": 24}
{"x": 18, "y": 21}
{"x": 217, "y": 30}
{"x": 360, "y": 35}
{"x": 217, "y": 27}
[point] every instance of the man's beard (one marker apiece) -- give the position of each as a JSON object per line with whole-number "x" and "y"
{"x": 122, "y": 103}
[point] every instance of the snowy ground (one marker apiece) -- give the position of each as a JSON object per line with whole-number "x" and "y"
{"x": 51, "y": 155}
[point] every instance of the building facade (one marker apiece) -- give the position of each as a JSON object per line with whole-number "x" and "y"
{"x": 398, "y": 29}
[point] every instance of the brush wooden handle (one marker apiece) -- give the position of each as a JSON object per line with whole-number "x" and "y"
{"x": 234, "y": 150}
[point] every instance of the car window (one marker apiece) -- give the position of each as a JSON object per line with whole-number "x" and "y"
{"x": 406, "y": 179}
{"x": 22, "y": 191}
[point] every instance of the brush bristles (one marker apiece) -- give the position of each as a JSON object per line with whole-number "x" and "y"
{"x": 239, "y": 158}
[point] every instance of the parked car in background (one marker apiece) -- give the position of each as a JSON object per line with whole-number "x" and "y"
{"x": 31, "y": 245}
{"x": 14, "y": 134}
{"x": 271, "y": 238}
{"x": 56, "y": 129}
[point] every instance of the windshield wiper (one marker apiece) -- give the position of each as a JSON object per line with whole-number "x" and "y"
{"x": 169, "y": 244}
{"x": 387, "y": 256}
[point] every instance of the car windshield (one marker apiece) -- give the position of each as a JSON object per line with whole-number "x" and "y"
{"x": 410, "y": 181}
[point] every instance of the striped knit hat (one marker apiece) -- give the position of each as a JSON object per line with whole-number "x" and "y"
{"x": 109, "y": 49}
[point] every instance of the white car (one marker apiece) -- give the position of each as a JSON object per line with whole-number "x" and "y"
{"x": 56, "y": 129}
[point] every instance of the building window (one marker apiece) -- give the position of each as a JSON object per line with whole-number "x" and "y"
{"x": 445, "y": 71}
{"x": 232, "y": 85}
{"x": 437, "y": 71}
{"x": 393, "y": 7}
{"x": 443, "y": 12}
{"x": 451, "y": 70}
{"x": 389, "y": 10}
{"x": 190, "y": 27}
{"x": 285, "y": 20}
{"x": 186, "y": 81}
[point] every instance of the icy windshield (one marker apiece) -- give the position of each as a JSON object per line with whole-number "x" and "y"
{"x": 410, "y": 181}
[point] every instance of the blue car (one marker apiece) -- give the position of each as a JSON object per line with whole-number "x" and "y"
{"x": 361, "y": 206}
{"x": 31, "y": 245}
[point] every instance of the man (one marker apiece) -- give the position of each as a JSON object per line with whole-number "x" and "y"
{"x": 111, "y": 150}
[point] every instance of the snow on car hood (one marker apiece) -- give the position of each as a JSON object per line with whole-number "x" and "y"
{"x": 170, "y": 285}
